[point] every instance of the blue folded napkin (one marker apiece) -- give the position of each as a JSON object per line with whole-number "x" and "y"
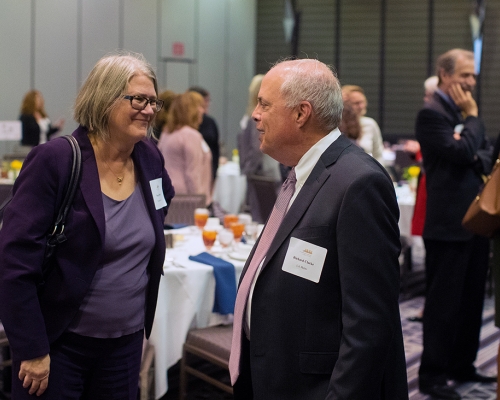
{"x": 225, "y": 282}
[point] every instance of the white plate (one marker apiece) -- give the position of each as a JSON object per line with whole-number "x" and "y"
{"x": 238, "y": 256}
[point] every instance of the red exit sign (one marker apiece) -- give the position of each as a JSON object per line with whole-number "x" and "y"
{"x": 178, "y": 49}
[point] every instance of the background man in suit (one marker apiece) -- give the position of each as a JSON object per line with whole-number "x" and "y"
{"x": 209, "y": 130}
{"x": 456, "y": 153}
{"x": 322, "y": 313}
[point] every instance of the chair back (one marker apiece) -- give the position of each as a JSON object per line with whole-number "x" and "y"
{"x": 262, "y": 194}
{"x": 181, "y": 210}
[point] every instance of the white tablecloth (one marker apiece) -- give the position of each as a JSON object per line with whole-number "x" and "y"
{"x": 406, "y": 202}
{"x": 230, "y": 187}
{"x": 185, "y": 301}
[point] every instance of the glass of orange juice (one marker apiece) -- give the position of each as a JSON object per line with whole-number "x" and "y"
{"x": 201, "y": 217}
{"x": 229, "y": 219}
{"x": 209, "y": 235}
{"x": 238, "y": 228}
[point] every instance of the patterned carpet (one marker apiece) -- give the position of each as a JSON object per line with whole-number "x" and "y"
{"x": 412, "y": 332}
{"x": 486, "y": 359}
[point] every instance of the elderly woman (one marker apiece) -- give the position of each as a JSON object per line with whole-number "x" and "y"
{"x": 37, "y": 127}
{"x": 370, "y": 139}
{"x": 80, "y": 334}
{"x": 187, "y": 156}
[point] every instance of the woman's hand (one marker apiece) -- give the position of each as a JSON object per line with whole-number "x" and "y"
{"x": 35, "y": 374}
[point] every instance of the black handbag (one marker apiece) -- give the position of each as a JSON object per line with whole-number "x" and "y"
{"x": 56, "y": 234}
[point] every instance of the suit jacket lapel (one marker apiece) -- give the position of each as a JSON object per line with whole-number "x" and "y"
{"x": 89, "y": 183}
{"x": 313, "y": 184}
{"x": 146, "y": 174}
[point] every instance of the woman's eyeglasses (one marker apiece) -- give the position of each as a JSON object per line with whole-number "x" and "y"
{"x": 140, "y": 103}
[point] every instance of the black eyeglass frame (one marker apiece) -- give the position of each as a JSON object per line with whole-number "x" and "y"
{"x": 159, "y": 103}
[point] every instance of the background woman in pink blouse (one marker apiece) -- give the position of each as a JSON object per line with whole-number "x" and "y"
{"x": 187, "y": 156}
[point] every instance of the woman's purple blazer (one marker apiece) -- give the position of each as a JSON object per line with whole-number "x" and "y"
{"x": 34, "y": 318}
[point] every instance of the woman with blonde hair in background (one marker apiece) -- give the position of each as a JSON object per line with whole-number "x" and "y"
{"x": 370, "y": 139}
{"x": 188, "y": 158}
{"x": 167, "y": 96}
{"x": 36, "y": 125}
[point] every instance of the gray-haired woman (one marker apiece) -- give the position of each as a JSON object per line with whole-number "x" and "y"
{"x": 79, "y": 335}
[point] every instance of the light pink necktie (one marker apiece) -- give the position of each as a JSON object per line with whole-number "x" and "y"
{"x": 274, "y": 222}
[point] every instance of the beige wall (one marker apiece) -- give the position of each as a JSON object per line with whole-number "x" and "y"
{"x": 51, "y": 45}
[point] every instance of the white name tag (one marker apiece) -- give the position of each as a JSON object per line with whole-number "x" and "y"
{"x": 458, "y": 129}
{"x": 157, "y": 191}
{"x": 304, "y": 259}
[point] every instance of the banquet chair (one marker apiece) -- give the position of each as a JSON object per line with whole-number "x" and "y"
{"x": 263, "y": 192}
{"x": 182, "y": 208}
{"x": 212, "y": 344}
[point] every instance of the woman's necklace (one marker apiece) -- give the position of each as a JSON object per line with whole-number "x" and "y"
{"x": 119, "y": 179}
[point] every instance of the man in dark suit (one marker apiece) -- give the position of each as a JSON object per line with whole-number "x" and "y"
{"x": 209, "y": 130}
{"x": 322, "y": 312}
{"x": 456, "y": 153}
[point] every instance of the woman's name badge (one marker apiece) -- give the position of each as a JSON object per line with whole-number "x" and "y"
{"x": 157, "y": 191}
{"x": 304, "y": 259}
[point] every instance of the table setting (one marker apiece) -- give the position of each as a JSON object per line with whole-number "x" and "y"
{"x": 198, "y": 289}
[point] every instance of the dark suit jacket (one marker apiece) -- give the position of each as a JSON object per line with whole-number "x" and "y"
{"x": 453, "y": 167}
{"x": 32, "y": 321}
{"x": 210, "y": 132}
{"x": 339, "y": 338}
{"x": 31, "y": 130}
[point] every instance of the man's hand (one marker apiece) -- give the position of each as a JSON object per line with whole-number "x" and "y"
{"x": 464, "y": 100}
{"x": 35, "y": 374}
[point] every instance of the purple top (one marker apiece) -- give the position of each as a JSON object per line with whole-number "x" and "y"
{"x": 115, "y": 303}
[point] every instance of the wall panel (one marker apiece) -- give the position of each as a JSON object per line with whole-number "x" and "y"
{"x": 56, "y": 58}
{"x": 490, "y": 70}
{"x": 140, "y": 29}
{"x": 15, "y": 51}
{"x": 360, "y": 49}
{"x": 405, "y": 64}
{"x": 317, "y": 30}
{"x": 100, "y": 31}
{"x": 240, "y": 67}
{"x": 212, "y": 67}
{"x": 271, "y": 45}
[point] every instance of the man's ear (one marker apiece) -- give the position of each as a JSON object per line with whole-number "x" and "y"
{"x": 303, "y": 113}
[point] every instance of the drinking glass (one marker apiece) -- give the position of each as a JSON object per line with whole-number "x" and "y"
{"x": 238, "y": 229}
{"x": 251, "y": 231}
{"x": 200, "y": 217}
{"x": 209, "y": 236}
{"x": 245, "y": 218}
{"x": 226, "y": 237}
{"x": 229, "y": 219}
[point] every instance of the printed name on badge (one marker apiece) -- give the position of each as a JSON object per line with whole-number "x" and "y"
{"x": 157, "y": 191}
{"x": 304, "y": 259}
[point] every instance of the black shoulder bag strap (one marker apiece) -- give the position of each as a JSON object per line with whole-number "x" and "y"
{"x": 57, "y": 235}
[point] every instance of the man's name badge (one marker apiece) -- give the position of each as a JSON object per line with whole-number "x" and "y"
{"x": 304, "y": 259}
{"x": 157, "y": 191}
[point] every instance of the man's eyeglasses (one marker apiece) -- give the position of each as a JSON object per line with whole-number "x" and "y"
{"x": 140, "y": 103}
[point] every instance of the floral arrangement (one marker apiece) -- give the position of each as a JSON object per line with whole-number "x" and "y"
{"x": 411, "y": 172}
{"x": 16, "y": 165}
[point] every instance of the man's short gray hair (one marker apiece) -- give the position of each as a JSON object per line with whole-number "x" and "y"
{"x": 313, "y": 81}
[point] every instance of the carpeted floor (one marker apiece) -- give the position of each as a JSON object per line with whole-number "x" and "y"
{"x": 412, "y": 332}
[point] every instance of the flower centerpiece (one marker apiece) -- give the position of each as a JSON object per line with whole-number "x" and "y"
{"x": 410, "y": 174}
